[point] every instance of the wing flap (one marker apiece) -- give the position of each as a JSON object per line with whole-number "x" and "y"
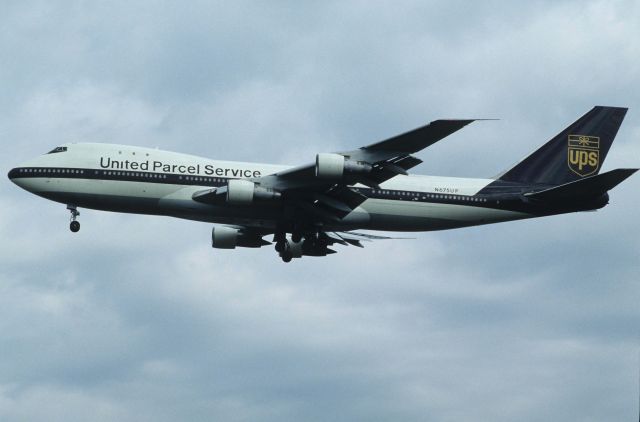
{"x": 354, "y": 238}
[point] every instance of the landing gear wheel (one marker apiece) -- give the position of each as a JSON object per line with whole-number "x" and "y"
{"x": 280, "y": 238}
{"x": 74, "y": 226}
{"x": 285, "y": 253}
{"x": 296, "y": 237}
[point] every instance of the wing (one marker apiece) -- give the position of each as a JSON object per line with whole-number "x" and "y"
{"x": 321, "y": 198}
{"x": 410, "y": 142}
{"x": 387, "y": 158}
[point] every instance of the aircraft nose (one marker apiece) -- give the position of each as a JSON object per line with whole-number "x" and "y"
{"x": 18, "y": 176}
{"x": 14, "y": 174}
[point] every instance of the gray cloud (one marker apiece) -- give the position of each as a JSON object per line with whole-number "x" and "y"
{"x": 136, "y": 318}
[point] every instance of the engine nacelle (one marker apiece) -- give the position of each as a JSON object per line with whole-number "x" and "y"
{"x": 240, "y": 192}
{"x": 224, "y": 237}
{"x": 335, "y": 166}
{"x": 329, "y": 166}
{"x": 243, "y": 192}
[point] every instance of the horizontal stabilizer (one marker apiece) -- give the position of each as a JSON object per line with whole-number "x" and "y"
{"x": 589, "y": 187}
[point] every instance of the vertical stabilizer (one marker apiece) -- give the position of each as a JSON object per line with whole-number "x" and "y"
{"x": 576, "y": 152}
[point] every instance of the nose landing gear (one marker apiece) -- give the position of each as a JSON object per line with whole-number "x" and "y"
{"x": 74, "y": 226}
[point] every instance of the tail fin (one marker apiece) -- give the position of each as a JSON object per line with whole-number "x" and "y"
{"x": 574, "y": 153}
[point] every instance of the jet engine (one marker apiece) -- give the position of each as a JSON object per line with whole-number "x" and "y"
{"x": 244, "y": 192}
{"x": 223, "y": 237}
{"x": 304, "y": 247}
{"x": 335, "y": 166}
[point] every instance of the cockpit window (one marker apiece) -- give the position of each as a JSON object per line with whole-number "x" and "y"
{"x": 57, "y": 149}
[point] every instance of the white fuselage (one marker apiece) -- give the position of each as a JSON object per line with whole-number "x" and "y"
{"x": 149, "y": 181}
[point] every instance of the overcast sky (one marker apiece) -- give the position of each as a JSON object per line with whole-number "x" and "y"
{"x": 136, "y": 318}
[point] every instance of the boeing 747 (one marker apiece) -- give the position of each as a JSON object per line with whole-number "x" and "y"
{"x": 306, "y": 210}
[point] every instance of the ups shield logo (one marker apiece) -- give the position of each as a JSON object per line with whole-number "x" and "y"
{"x": 584, "y": 154}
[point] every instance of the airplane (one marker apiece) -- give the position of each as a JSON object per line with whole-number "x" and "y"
{"x": 310, "y": 208}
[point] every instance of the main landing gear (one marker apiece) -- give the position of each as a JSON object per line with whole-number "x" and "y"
{"x": 299, "y": 244}
{"x": 282, "y": 247}
{"x": 74, "y": 226}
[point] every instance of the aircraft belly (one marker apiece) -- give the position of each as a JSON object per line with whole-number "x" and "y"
{"x": 421, "y": 216}
{"x": 176, "y": 200}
